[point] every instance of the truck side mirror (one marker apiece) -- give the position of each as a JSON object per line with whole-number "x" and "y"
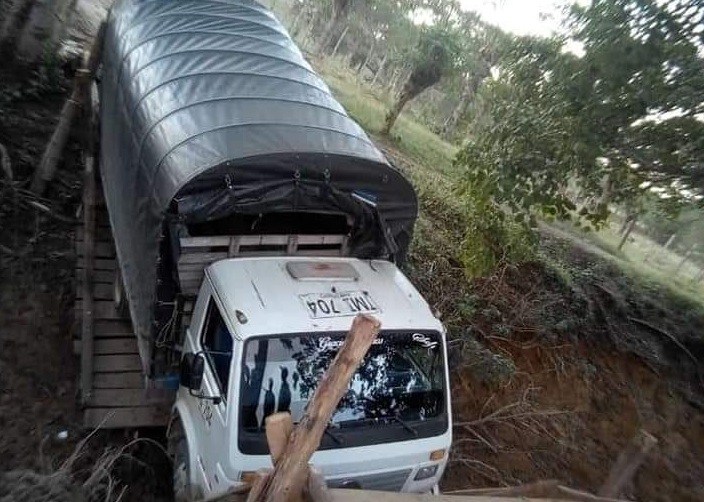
{"x": 454, "y": 353}
{"x": 192, "y": 367}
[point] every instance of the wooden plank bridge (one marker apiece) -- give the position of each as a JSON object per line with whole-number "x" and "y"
{"x": 113, "y": 385}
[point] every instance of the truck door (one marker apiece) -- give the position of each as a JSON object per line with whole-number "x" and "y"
{"x": 216, "y": 343}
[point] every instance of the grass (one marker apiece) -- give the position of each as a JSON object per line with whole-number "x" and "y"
{"x": 645, "y": 259}
{"x": 368, "y": 106}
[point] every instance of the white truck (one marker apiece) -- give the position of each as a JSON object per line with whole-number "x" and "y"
{"x": 252, "y": 219}
{"x": 263, "y": 332}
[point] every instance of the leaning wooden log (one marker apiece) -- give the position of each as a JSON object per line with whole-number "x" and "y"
{"x": 627, "y": 464}
{"x": 52, "y": 153}
{"x": 290, "y": 473}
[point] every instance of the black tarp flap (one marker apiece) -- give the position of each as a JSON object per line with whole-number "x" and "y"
{"x": 208, "y": 106}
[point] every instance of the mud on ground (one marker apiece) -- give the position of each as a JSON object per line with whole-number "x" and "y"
{"x": 556, "y": 376}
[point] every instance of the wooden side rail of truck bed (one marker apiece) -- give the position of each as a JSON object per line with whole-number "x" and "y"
{"x": 199, "y": 252}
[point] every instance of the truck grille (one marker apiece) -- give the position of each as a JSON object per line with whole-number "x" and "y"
{"x": 392, "y": 481}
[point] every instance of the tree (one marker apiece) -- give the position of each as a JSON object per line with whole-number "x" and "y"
{"x": 433, "y": 58}
{"x": 340, "y": 10}
{"x": 620, "y": 119}
{"x": 480, "y": 46}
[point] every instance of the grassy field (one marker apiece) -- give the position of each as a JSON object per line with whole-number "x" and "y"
{"x": 646, "y": 259}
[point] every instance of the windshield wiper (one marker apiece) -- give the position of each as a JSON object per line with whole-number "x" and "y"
{"x": 332, "y": 435}
{"x": 404, "y": 424}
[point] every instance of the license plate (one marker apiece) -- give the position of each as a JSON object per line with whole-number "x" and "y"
{"x": 349, "y": 303}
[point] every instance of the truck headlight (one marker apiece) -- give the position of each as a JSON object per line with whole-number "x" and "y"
{"x": 426, "y": 472}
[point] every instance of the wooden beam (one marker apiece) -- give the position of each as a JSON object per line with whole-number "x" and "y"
{"x": 52, "y": 153}
{"x": 87, "y": 302}
{"x": 289, "y": 475}
{"x": 117, "y": 363}
{"x": 278, "y": 429}
{"x": 628, "y": 463}
{"x": 106, "y": 346}
{"x": 129, "y": 380}
{"x": 119, "y": 418}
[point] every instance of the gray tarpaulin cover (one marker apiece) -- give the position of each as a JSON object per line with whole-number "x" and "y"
{"x": 208, "y": 108}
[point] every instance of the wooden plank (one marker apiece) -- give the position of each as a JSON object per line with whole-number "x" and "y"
{"x": 191, "y": 275}
{"x": 99, "y": 276}
{"x": 121, "y": 418}
{"x": 122, "y": 398}
{"x": 113, "y": 328}
{"x": 260, "y": 240}
{"x": 321, "y": 240}
{"x": 117, "y": 363}
{"x": 98, "y": 263}
{"x": 319, "y": 252}
{"x": 102, "y": 309}
{"x": 129, "y": 380}
{"x": 201, "y": 257}
{"x": 102, "y": 233}
{"x": 190, "y": 287}
{"x": 101, "y": 291}
{"x": 88, "y": 305}
{"x": 102, "y": 249}
{"x": 106, "y": 346}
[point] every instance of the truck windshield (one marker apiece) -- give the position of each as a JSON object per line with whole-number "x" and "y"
{"x": 399, "y": 386}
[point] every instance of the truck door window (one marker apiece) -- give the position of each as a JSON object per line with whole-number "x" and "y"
{"x": 217, "y": 346}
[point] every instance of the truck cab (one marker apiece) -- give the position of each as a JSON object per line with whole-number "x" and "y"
{"x": 263, "y": 332}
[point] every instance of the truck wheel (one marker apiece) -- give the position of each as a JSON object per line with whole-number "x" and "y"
{"x": 178, "y": 450}
{"x": 119, "y": 296}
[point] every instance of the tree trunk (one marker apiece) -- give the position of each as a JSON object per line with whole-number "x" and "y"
{"x": 449, "y": 126}
{"x": 395, "y": 111}
{"x": 627, "y": 232}
{"x": 685, "y": 258}
{"x": 327, "y": 34}
{"x": 339, "y": 40}
{"x": 699, "y": 277}
{"x": 670, "y": 241}
{"x": 366, "y": 59}
{"x": 380, "y": 69}
{"x": 606, "y": 191}
{"x": 294, "y": 25}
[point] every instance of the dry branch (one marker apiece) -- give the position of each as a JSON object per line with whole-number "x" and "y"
{"x": 52, "y": 153}
{"x": 667, "y": 335}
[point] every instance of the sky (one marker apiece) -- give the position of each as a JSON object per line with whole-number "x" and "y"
{"x": 522, "y": 17}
